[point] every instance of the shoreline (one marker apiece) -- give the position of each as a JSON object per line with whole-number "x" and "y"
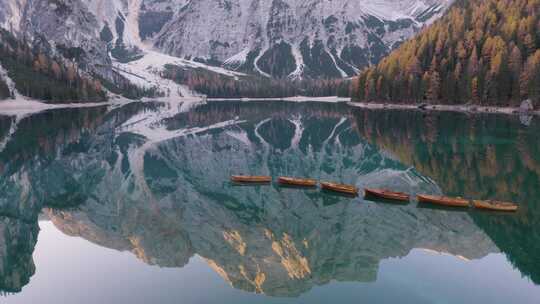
{"x": 442, "y": 108}
{"x": 25, "y": 106}
{"x": 392, "y": 106}
{"x": 14, "y": 107}
{"x": 330, "y": 99}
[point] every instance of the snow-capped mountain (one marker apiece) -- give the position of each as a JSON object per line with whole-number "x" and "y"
{"x": 129, "y": 42}
{"x": 278, "y": 38}
{"x": 294, "y": 38}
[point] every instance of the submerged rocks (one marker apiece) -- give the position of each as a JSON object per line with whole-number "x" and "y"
{"x": 526, "y": 106}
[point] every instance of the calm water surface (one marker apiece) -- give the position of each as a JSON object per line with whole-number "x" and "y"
{"x": 132, "y": 204}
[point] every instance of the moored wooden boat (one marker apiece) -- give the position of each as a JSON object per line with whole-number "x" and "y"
{"x": 251, "y": 179}
{"x": 387, "y": 194}
{"x": 347, "y": 189}
{"x": 301, "y": 182}
{"x": 495, "y": 205}
{"x": 443, "y": 201}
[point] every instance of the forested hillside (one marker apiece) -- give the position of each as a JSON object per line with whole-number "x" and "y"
{"x": 39, "y": 75}
{"x": 253, "y": 86}
{"x": 484, "y": 52}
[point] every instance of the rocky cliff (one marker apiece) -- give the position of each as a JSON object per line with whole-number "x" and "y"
{"x": 294, "y": 38}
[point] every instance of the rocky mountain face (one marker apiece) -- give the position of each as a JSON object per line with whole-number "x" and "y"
{"x": 315, "y": 38}
{"x": 57, "y": 26}
{"x": 131, "y": 173}
{"x": 90, "y": 40}
{"x": 301, "y": 38}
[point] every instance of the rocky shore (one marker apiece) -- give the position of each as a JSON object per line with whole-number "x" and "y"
{"x": 445, "y": 108}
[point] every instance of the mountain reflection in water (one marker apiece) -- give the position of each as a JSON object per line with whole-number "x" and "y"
{"x": 153, "y": 179}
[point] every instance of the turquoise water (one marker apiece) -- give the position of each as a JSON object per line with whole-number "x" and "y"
{"x": 132, "y": 204}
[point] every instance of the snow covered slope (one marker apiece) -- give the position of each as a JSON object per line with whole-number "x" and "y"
{"x": 145, "y": 72}
{"x": 294, "y": 38}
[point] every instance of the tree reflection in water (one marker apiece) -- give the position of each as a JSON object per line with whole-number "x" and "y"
{"x": 98, "y": 174}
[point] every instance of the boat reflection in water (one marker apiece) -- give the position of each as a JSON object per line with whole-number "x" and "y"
{"x": 153, "y": 180}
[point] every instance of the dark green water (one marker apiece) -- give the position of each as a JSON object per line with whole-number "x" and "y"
{"x": 132, "y": 204}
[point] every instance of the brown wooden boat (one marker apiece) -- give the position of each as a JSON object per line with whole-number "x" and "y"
{"x": 443, "y": 201}
{"x": 387, "y": 194}
{"x": 301, "y": 182}
{"x": 347, "y": 189}
{"x": 495, "y": 205}
{"x": 251, "y": 179}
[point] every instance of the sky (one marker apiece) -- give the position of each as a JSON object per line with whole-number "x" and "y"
{"x": 73, "y": 270}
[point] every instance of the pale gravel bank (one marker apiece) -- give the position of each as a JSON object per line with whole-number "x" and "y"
{"x": 442, "y": 108}
{"x": 26, "y": 106}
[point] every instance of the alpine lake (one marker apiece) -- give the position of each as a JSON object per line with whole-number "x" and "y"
{"x": 133, "y": 204}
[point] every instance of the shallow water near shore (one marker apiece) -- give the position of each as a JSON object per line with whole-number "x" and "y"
{"x": 133, "y": 204}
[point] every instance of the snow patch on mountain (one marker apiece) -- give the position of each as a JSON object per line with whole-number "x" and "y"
{"x": 115, "y": 15}
{"x": 132, "y": 21}
{"x": 341, "y": 72}
{"x": 238, "y": 59}
{"x": 11, "y": 14}
{"x": 9, "y": 82}
{"x": 384, "y": 10}
{"x": 146, "y": 73}
{"x": 399, "y": 9}
{"x": 299, "y": 60}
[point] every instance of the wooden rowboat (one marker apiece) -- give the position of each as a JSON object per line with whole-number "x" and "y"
{"x": 302, "y": 182}
{"x": 251, "y": 179}
{"x": 347, "y": 189}
{"x": 495, "y": 205}
{"x": 386, "y": 194}
{"x": 443, "y": 201}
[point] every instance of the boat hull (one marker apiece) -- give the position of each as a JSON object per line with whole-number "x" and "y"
{"x": 341, "y": 188}
{"x": 251, "y": 179}
{"x": 299, "y": 182}
{"x": 495, "y": 206}
{"x": 385, "y": 194}
{"x": 443, "y": 201}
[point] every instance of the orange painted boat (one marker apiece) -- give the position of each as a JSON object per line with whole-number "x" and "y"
{"x": 387, "y": 194}
{"x": 347, "y": 189}
{"x": 443, "y": 201}
{"x": 251, "y": 179}
{"x": 495, "y": 205}
{"x": 301, "y": 182}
